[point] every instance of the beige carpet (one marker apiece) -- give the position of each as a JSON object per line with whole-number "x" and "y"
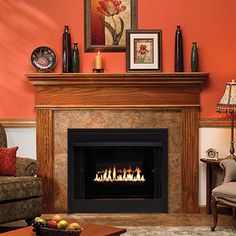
{"x": 181, "y": 230}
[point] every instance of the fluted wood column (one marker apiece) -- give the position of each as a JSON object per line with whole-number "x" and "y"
{"x": 44, "y": 128}
{"x": 190, "y": 161}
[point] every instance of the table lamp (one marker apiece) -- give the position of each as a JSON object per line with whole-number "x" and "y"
{"x": 227, "y": 104}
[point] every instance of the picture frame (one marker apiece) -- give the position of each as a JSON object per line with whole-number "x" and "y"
{"x": 143, "y": 50}
{"x": 105, "y": 28}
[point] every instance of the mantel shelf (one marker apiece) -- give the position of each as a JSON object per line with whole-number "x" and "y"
{"x": 125, "y": 78}
{"x": 117, "y": 90}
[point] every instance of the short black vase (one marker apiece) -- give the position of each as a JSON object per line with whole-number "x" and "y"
{"x": 194, "y": 57}
{"x": 179, "y": 66}
{"x": 75, "y": 59}
{"x": 66, "y": 51}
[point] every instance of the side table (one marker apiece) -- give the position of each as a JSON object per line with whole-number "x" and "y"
{"x": 212, "y": 167}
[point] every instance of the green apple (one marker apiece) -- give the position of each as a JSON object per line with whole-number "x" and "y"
{"x": 40, "y": 219}
{"x": 37, "y": 218}
{"x": 63, "y": 224}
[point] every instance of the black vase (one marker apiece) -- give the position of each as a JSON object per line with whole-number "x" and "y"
{"x": 194, "y": 57}
{"x": 66, "y": 47}
{"x": 75, "y": 59}
{"x": 179, "y": 66}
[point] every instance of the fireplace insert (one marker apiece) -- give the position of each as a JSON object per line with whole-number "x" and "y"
{"x": 117, "y": 170}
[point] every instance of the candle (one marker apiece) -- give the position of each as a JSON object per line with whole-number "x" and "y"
{"x": 98, "y": 61}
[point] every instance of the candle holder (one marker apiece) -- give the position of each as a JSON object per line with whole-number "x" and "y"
{"x": 98, "y": 70}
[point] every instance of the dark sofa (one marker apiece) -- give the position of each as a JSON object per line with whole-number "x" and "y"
{"x": 20, "y": 196}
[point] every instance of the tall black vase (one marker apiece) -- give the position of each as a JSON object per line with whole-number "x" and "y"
{"x": 194, "y": 58}
{"x": 66, "y": 48}
{"x": 75, "y": 59}
{"x": 179, "y": 66}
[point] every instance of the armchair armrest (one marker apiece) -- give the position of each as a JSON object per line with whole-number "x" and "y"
{"x": 26, "y": 166}
{"x": 229, "y": 170}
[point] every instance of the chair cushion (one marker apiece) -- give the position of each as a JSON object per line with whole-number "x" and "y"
{"x": 8, "y": 161}
{"x": 13, "y": 188}
{"x": 226, "y": 192}
{"x": 229, "y": 166}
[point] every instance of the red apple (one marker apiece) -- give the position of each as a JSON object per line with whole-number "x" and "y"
{"x": 52, "y": 224}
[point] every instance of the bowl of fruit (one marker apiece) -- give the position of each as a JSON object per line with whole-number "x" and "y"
{"x": 56, "y": 226}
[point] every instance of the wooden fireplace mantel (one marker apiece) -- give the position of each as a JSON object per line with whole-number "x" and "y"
{"x": 57, "y": 91}
{"x": 117, "y": 90}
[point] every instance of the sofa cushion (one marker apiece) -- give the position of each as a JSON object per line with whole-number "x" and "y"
{"x": 13, "y": 188}
{"x": 26, "y": 166}
{"x": 8, "y": 161}
{"x": 226, "y": 191}
{"x": 21, "y": 209}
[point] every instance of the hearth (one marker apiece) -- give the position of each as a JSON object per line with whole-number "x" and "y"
{"x": 117, "y": 170}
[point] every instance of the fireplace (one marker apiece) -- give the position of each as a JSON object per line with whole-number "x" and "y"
{"x": 125, "y": 100}
{"x": 117, "y": 170}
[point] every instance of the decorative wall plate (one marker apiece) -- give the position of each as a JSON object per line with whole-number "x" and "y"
{"x": 43, "y": 59}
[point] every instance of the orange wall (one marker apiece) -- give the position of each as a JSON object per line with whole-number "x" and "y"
{"x": 27, "y": 24}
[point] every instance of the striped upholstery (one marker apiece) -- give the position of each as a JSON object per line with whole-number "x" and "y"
{"x": 226, "y": 192}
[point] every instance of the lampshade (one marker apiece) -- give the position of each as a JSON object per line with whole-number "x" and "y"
{"x": 228, "y": 101}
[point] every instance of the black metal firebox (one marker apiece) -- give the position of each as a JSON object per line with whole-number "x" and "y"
{"x": 117, "y": 170}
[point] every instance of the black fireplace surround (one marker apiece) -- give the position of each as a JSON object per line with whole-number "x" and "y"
{"x": 117, "y": 170}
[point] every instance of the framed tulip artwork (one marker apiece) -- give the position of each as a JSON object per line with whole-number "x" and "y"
{"x": 106, "y": 22}
{"x": 143, "y": 50}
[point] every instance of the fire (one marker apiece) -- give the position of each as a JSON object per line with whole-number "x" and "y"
{"x": 119, "y": 175}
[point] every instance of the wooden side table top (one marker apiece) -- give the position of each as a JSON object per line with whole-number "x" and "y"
{"x": 89, "y": 229}
{"x": 212, "y": 161}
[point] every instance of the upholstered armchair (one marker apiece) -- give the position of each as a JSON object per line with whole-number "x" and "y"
{"x": 225, "y": 194}
{"x": 20, "y": 195}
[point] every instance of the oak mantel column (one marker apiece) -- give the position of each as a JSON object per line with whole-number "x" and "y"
{"x": 190, "y": 125}
{"x": 44, "y": 135}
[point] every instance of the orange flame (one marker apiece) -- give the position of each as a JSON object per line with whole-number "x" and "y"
{"x": 114, "y": 175}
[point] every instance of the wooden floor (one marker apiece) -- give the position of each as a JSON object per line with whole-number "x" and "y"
{"x": 154, "y": 219}
{"x": 169, "y": 219}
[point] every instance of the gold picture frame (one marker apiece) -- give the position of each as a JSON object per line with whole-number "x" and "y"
{"x": 105, "y": 25}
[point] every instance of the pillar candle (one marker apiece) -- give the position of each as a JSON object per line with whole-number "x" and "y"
{"x": 98, "y": 61}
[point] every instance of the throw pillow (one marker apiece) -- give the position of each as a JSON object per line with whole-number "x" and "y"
{"x": 8, "y": 161}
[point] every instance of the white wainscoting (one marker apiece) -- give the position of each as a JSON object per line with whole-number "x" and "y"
{"x": 24, "y": 138}
{"x": 217, "y": 138}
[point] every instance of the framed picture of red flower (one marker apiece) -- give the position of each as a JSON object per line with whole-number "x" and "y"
{"x": 106, "y": 22}
{"x": 143, "y": 50}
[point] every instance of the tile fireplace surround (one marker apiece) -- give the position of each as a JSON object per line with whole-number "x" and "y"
{"x": 132, "y": 100}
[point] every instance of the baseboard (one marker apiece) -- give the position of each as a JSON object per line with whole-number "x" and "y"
{"x": 226, "y": 210}
{"x": 202, "y": 209}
